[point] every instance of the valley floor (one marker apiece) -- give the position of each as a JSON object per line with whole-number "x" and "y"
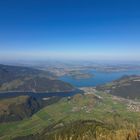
{"x": 119, "y": 114}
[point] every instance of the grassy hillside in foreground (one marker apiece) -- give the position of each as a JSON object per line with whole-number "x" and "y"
{"x": 84, "y": 130}
{"x": 100, "y": 107}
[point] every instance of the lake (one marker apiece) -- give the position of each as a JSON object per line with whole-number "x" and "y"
{"x": 99, "y": 78}
{"x": 39, "y": 95}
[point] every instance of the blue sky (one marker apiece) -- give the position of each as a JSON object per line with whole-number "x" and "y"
{"x": 70, "y": 29}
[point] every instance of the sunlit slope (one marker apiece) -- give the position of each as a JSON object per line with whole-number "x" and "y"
{"x": 104, "y": 108}
{"x": 18, "y": 108}
{"x": 84, "y": 130}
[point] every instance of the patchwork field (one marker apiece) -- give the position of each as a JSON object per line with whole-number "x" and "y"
{"x": 96, "y": 106}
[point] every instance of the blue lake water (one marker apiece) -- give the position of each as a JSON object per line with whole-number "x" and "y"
{"x": 99, "y": 78}
{"x": 39, "y": 95}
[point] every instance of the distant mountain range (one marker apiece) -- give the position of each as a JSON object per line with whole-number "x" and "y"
{"x": 24, "y": 79}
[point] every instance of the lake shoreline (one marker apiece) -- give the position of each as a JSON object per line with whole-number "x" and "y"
{"x": 39, "y": 95}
